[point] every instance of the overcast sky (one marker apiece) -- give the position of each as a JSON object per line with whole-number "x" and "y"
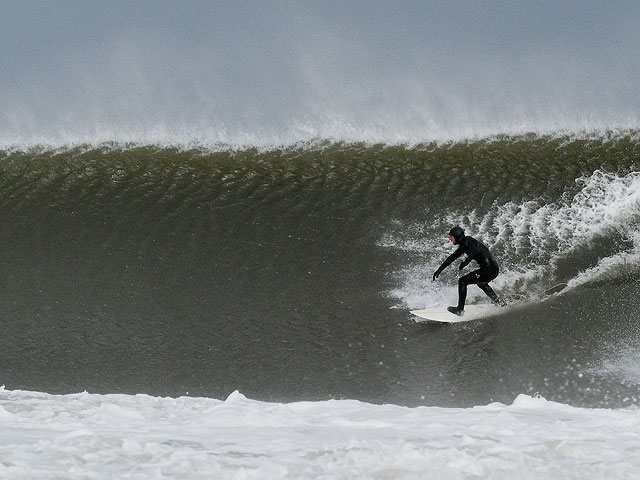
{"x": 287, "y": 70}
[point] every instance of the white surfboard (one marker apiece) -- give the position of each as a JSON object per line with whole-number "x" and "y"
{"x": 471, "y": 312}
{"x": 476, "y": 312}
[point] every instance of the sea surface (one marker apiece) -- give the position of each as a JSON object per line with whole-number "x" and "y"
{"x": 187, "y": 310}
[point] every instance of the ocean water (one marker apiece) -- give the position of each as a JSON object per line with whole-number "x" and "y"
{"x": 243, "y": 312}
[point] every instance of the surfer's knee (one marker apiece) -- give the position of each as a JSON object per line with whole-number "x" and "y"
{"x": 466, "y": 280}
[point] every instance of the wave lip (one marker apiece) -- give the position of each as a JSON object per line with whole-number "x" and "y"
{"x": 336, "y": 131}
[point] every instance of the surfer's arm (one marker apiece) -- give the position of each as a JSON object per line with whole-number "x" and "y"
{"x": 450, "y": 259}
{"x": 465, "y": 262}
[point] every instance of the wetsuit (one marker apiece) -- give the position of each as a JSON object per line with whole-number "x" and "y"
{"x": 488, "y": 270}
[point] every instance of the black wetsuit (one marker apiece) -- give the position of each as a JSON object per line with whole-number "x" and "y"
{"x": 488, "y": 270}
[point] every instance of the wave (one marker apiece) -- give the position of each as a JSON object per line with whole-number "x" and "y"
{"x": 277, "y": 269}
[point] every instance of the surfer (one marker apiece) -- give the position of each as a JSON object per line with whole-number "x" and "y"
{"x": 488, "y": 270}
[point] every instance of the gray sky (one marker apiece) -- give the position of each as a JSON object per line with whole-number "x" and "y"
{"x": 279, "y": 71}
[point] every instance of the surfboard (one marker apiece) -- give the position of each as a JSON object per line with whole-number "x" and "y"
{"x": 471, "y": 312}
{"x": 474, "y": 312}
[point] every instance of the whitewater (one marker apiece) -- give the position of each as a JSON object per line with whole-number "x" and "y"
{"x": 82, "y": 436}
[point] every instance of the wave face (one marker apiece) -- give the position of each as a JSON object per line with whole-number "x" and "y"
{"x": 287, "y": 273}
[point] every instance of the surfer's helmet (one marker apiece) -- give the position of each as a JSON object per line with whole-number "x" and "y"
{"x": 457, "y": 233}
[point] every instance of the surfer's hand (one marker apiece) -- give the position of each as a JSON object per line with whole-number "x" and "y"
{"x": 463, "y": 264}
{"x": 436, "y": 274}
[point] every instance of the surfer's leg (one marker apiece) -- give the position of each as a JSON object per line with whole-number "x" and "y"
{"x": 462, "y": 294}
{"x": 481, "y": 277}
{"x": 486, "y": 288}
{"x": 468, "y": 279}
{"x": 484, "y": 277}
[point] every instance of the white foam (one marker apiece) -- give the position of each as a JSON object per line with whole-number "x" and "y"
{"x": 121, "y": 436}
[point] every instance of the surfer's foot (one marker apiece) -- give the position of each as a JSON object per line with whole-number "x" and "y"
{"x": 500, "y": 302}
{"x": 456, "y": 310}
